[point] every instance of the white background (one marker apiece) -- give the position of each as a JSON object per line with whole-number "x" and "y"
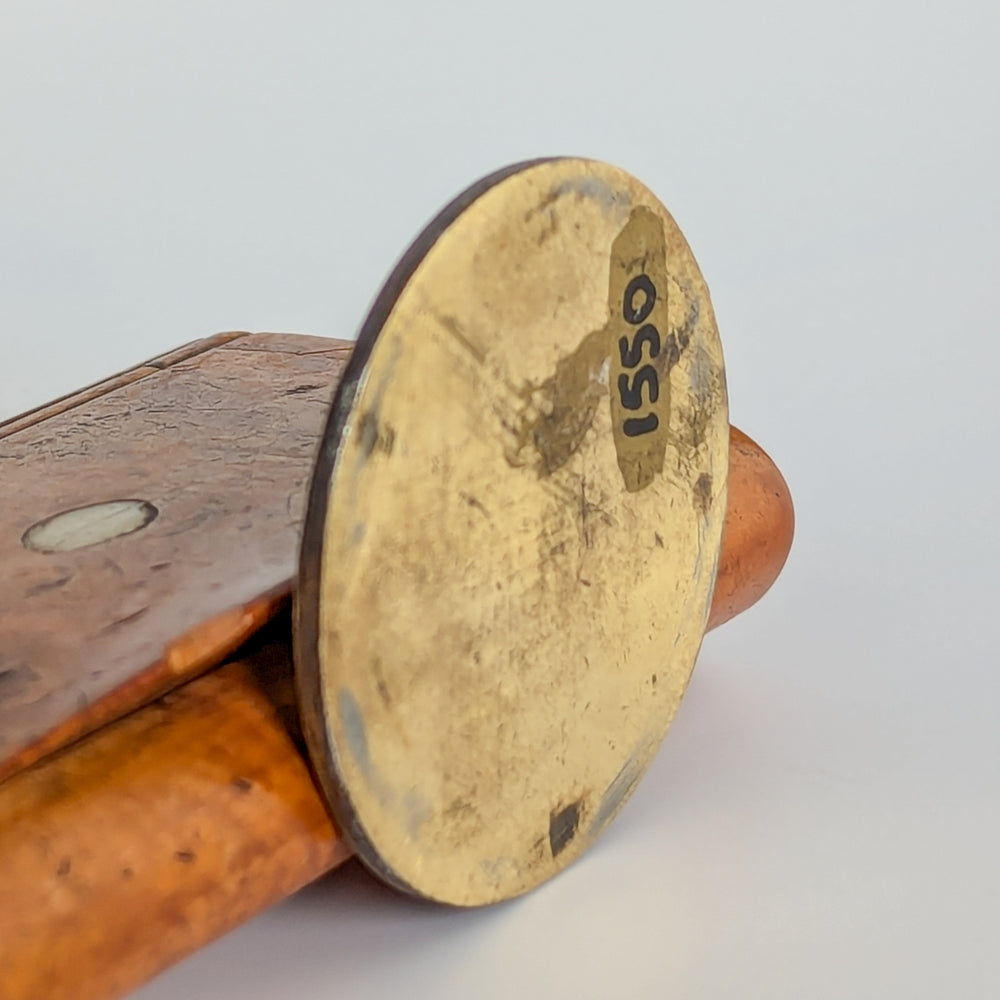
{"x": 824, "y": 818}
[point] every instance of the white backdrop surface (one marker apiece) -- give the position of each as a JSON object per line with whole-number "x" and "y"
{"x": 823, "y": 819}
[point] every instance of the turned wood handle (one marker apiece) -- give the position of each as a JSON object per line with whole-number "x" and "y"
{"x": 153, "y": 836}
{"x": 757, "y": 536}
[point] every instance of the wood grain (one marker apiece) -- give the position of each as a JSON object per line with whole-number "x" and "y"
{"x": 757, "y": 536}
{"x": 219, "y": 436}
{"x": 152, "y": 837}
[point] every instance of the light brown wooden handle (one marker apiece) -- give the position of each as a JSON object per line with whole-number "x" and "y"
{"x": 160, "y": 832}
{"x": 151, "y": 837}
{"x": 757, "y": 537}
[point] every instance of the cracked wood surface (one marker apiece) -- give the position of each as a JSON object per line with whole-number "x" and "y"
{"x": 220, "y": 437}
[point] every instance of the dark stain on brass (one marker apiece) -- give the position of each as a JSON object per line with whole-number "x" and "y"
{"x": 563, "y": 825}
{"x": 703, "y": 492}
{"x": 558, "y": 413}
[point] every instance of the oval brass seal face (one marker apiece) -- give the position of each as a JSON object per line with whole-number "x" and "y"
{"x": 513, "y": 531}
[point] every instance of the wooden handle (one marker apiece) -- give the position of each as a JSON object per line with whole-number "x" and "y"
{"x": 141, "y": 843}
{"x": 155, "y": 835}
{"x": 756, "y": 539}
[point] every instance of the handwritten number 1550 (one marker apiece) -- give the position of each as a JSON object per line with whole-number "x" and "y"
{"x": 637, "y": 304}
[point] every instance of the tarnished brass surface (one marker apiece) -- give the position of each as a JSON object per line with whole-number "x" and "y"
{"x": 513, "y": 532}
